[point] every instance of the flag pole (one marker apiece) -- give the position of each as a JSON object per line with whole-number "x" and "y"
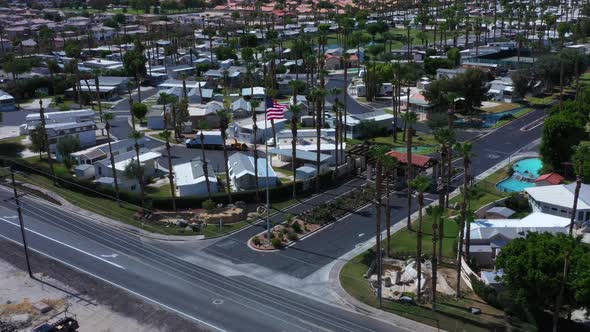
{"x": 266, "y": 159}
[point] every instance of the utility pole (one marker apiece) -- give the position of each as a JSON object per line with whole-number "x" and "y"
{"x": 22, "y": 226}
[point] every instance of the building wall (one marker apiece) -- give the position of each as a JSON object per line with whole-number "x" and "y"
{"x": 566, "y": 212}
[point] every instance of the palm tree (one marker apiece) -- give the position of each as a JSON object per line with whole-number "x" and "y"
{"x": 203, "y": 125}
{"x": 320, "y": 97}
{"x": 446, "y": 138}
{"x": 138, "y": 111}
{"x": 420, "y": 184}
{"x": 436, "y": 213}
{"x": 465, "y": 150}
{"x": 391, "y": 165}
{"x": 108, "y": 117}
{"x": 96, "y": 85}
{"x": 379, "y": 153}
{"x": 295, "y": 111}
{"x": 224, "y": 120}
{"x": 254, "y": 132}
{"x": 345, "y": 59}
{"x": 410, "y": 118}
{"x": 166, "y": 134}
{"x": 136, "y": 136}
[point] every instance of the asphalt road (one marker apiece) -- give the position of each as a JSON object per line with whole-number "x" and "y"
{"x": 308, "y": 256}
{"x": 224, "y": 303}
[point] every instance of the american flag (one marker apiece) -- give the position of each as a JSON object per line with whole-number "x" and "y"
{"x": 275, "y": 110}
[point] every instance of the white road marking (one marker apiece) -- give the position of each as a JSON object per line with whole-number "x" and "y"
{"x": 65, "y": 244}
{"x": 117, "y": 285}
{"x": 361, "y": 234}
{"x": 10, "y": 217}
{"x": 110, "y": 256}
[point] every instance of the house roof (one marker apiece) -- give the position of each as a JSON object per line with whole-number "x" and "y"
{"x": 192, "y": 172}
{"x": 300, "y": 154}
{"x": 242, "y": 164}
{"x": 501, "y": 210}
{"x": 561, "y": 195}
{"x": 487, "y": 229}
{"x": 552, "y": 178}
{"x": 417, "y": 159}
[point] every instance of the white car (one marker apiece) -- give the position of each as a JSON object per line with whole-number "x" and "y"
{"x": 271, "y": 142}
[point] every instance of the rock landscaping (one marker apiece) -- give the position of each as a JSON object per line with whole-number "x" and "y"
{"x": 296, "y": 227}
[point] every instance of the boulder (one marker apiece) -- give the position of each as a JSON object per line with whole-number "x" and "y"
{"x": 21, "y": 320}
{"x": 42, "y": 307}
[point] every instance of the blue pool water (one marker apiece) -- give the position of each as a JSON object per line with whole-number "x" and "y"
{"x": 529, "y": 168}
{"x": 525, "y": 173}
{"x": 486, "y": 120}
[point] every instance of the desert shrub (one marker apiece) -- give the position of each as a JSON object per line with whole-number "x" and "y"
{"x": 277, "y": 243}
{"x": 208, "y": 204}
{"x": 296, "y": 227}
{"x": 256, "y": 241}
{"x": 292, "y": 236}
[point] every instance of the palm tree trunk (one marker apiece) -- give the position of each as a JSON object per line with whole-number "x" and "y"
{"x": 96, "y": 84}
{"x": 227, "y": 179}
{"x": 388, "y": 214}
{"x": 419, "y": 245}
{"x": 171, "y": 175}
{"x": 434, "y": 265}
{"x": 254, "y": 132}
{"x": 467, "y": 224}
{"x": 378, "y": 257}
{"x": 112, "y": 157}
{"x": 409, "y": 174}
{"x": 318, "y": 143}
{"x": 205, "y": 167}
{"x": 46, "y": 140}
{"x": 139, "y": 178}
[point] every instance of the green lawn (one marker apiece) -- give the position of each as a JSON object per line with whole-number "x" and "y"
{"x": 501, "y": 108}
{"x": 520, "y": 114}
{"x": 540, "y": 100}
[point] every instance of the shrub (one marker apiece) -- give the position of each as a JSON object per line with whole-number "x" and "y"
{"x": 277, "y": 243}
{"x": 297, "y": 227}
{"x": 256, "y": 241}
{"x": 292, "y": 236}
{"x": 208, "y": 204}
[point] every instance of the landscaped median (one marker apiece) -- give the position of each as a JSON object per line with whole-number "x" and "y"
{"x": 295, "y": 228}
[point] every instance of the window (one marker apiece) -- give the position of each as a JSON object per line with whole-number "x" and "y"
{"x": 99, "y": 170}
{"x": 132, "y": 187}
{"x": 553, "y": 209}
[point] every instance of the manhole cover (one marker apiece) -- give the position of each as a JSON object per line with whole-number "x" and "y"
{"x": 217, "y": 301}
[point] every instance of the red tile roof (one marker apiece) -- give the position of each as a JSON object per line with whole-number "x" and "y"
{"x": 417, "y": 159}
{"x": 552, "y": 178}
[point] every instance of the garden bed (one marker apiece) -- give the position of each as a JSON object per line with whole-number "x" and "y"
{"x": 314, "y": 219}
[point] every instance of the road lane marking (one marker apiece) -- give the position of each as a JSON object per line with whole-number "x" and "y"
{"x": 64, "y": 244}
{"x": 110, "y": 256}
{"x": 116, "y": 285}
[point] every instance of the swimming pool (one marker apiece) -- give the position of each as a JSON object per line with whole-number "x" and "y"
{"x": 525, "y": 173}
